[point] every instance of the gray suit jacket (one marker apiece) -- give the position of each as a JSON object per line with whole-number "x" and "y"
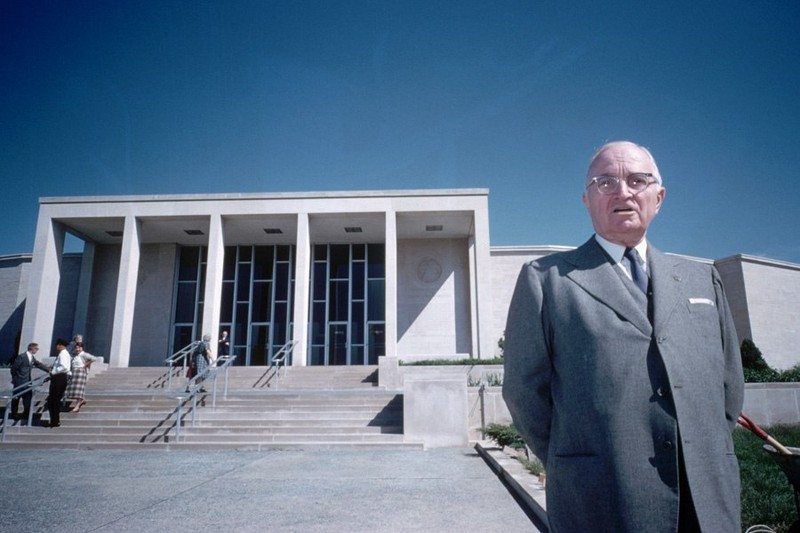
{"x": 21, "y": 369}
{"x": 605, "y": 399}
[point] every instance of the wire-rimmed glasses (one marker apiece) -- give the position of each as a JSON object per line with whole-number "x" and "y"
{"x": 610, "y": 184}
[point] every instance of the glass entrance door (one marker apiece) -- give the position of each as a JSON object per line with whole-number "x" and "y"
{"x": 338, "y": 345}
{"x": 258, "y": 354}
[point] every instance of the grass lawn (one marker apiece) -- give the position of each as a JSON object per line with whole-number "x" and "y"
{"x": 767, "y": 495}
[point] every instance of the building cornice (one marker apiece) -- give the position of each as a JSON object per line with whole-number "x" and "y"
{"x": 754, "y": 259}
{"x": 262, "y": 196}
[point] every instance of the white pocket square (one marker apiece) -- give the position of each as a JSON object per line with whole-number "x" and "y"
{"x": 701, "y": 301}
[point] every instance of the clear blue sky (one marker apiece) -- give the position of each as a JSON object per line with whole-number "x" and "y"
{"x": 152, "y": 97}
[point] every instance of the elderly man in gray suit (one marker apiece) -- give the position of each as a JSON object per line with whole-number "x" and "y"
{"x": 622, "y": 370}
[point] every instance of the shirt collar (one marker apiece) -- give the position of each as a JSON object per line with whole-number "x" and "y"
{"x": 616, "y": 251}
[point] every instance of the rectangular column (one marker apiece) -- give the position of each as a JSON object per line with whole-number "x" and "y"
{"x": 481, "y": 281}
{"x": 391, "y": 283}
{"x": 302, "y": 290}
{"x": 215, "y": 264}
{"x": 45, "y": 276}
{"x": 125, "y": 303}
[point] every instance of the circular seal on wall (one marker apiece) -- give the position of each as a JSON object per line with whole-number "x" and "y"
{"x": 429, "y": 270}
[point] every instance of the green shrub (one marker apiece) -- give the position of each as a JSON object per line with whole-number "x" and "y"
{"x": 751, "y": 356}
{"x": 790, "y": 375}
{"x": 766, "y": 375}
{"x": 756, "y": 369}
{"x": 494, "y": 380}
{"x": 534, "y": 465}
{"x": 504, "y": 435}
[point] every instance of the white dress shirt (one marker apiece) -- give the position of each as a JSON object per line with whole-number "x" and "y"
{"x": 617, "y": 253}
{"x": 62, "y": 363}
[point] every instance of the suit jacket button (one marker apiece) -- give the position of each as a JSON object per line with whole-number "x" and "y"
{"x": 660, "y": 391}
{"x": 667, "y": 445}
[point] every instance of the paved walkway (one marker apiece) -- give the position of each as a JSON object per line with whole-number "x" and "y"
{"x": 310, "y": 491}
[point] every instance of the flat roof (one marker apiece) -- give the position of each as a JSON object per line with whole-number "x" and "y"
{"x": 263, "y": 196}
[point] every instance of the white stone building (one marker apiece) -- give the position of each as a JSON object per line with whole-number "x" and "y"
{"x": 349, "y": 276}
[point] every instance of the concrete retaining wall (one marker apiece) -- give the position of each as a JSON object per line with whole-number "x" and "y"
{"x": 766, "y": 404}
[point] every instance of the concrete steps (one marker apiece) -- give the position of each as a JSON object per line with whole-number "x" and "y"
{"x": 310, "y": 408}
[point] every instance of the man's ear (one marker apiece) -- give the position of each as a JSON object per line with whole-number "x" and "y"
{"x": 660, "y": 198}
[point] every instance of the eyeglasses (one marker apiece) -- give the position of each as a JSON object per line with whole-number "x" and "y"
{"x": 610, "y": 184}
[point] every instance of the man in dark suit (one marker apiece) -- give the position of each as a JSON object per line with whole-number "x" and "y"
{"x": 622, "y": 370}
{"x": 21, "y": 367}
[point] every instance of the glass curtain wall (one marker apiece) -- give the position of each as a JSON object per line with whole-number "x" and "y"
{"x": 256, "y": 307}
{"x": 347, "y": 304}
{"x": 188, "y": 296}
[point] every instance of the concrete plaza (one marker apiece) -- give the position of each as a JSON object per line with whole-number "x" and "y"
{"x": 310, "y": 490}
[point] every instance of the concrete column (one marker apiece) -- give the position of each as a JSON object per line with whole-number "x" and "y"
{"x": 84, "y": 288}
{"x": 302, "y": 290}
{"x": 45, "y": 275}
{"x": 473, "y": 300}
{"x": 391, "y": 284}
{"x": 481, "y": 290}
{"x": 215, "y": 264}
{"x": 125, "y": 303}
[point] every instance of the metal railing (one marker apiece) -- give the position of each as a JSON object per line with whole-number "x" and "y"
{"x": 180, "y": 357}
{"x": 18, "y": 392}
{"x": 281, "y": 358}
{"x": 193, "y": 388}
{"x": 224, "y": 362}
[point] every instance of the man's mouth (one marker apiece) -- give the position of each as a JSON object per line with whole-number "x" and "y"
{"x": 623, "y": 210}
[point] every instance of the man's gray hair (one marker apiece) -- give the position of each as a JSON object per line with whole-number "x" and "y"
{"x": 644, "y": 149}
{"x": 207, "y": 337}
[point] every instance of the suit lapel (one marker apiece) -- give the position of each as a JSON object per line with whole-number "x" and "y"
{"x": 667, "y": 282}
{"x": 595, "y": 273}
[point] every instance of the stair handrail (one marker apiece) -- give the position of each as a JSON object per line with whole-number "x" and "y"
{"x": 182, "y": 357}
{"x": 193, "y": 388}
{"x": 281, "y": 359}
{"x": 17, "y": 392}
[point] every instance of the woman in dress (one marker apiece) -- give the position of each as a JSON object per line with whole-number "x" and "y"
{"x": 202, "y": 359}
{"x": 80, "y": 374}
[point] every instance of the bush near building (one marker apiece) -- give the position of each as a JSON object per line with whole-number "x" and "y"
{"x": 756, "y": 369}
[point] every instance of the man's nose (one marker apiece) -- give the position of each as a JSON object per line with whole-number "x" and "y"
{"x": 623, "y": 189}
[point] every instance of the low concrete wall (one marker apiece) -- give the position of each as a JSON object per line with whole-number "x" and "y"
{"x": 391, "y": 373}
{"x": 435, "y": 411}
{"x": 768, "y": 404}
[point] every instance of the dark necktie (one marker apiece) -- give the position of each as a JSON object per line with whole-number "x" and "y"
{"x": 637, "y": 272}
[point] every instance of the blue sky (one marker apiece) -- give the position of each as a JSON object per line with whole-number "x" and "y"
{"x": 108, "y": 98}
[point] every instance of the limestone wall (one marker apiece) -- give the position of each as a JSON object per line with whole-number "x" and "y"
{"x": 433, "y": 297}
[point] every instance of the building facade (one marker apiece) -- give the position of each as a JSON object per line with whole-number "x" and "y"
{"x": 347, "y": 276}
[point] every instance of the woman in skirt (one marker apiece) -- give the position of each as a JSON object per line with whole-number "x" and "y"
{"x": 80, "y": 374}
